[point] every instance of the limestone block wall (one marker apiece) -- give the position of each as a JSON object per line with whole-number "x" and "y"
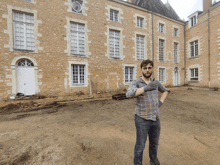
{"x": 52, "y": 56}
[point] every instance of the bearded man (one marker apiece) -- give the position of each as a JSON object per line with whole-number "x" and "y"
{"x": 147, "y": 118}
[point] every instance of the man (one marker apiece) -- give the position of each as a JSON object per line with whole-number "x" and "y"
{"x": 147, "y": 121}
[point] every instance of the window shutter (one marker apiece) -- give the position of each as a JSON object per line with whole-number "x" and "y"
{"x": 114, "y": 43}
{"x": 140, "y": 47}
{"x": 161, "y": 50}
{"x": 77, "y": 40}
{"x": 161, "y": 74}
{"x": 175, "y": 52}
{"x": 23, "y": 31}
{"x": 114, "y": 15}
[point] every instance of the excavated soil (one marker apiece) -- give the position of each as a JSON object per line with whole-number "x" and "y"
{"x": 96, "y": 130}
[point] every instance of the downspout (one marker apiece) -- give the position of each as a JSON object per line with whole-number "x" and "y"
{"x": 209, "y": 46}
{"x": 185, "y": 53}
{"x": 153, "y": 39}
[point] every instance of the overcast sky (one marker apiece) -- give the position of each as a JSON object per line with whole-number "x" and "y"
{"x": 186, "y": 7}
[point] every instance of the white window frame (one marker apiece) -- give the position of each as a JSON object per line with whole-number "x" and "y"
{"x": 193, "y": 20}
{"x": 78, "y": 33}
{"x": 161, "y": 56}
{"x": 161, "y": 27}
{"x": 140, "y": 47}
{"x": 24, "y": 24}
{"x": 71, "y": 84}
{"x": 175, "y": 50}
{"x": 140, "y": 22}
{"x": 114, "y": 15}
{"x": 163, "y": 80}
{"x": 79, "y": 76}
{"x": 193, "y": 72}
{"x": 175, "y": 32}
{"x": 195, "y": 46}
{"x": 130, "y": 76}
{"x": 112, "y": 39}
{"x": 134, "y": 72}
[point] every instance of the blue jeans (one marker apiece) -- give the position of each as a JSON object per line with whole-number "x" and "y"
{"x": 143, "y": 128}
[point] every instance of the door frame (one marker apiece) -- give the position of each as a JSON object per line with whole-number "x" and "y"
{"x": 174, "y": 76}
{"x": 14, "y": 73}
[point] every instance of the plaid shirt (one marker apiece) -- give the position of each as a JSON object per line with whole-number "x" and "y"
{"x": 146, "y": 103}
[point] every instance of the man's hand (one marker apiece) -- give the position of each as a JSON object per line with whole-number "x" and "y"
{"x": 150, "y": 86}
{"x": 160, "y": 103}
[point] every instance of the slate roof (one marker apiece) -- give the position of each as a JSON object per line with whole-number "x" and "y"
{"x": 159, "y": 7}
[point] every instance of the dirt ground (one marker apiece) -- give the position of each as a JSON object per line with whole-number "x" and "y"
{"x": 96, "y": 130}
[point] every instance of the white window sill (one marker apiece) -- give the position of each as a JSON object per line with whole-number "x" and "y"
{"x": 194, "y": 57}
{"x": 117, "y": 58}
{"x": 193, "y": 81}
{"x": 79, "y": 85}
{"x": 79, "y": 55}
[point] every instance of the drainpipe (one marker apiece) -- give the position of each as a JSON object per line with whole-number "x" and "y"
{"x": 209, "y": 46}
{"x": 185, "y": 53}
{"x": 153, "y": 39}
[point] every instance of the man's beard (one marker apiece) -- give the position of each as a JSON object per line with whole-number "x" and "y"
{"x": 147, "y": 76}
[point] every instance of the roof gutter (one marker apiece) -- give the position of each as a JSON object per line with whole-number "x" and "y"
{"x": 153, "y": 39}
{"x": 209, "y": 46}
{"x": 185, "y": 54}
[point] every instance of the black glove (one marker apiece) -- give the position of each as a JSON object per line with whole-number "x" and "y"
{"x": 150, "y": 86}
{"x": 160, "y": 103}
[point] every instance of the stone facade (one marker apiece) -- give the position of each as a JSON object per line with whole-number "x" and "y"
{"x": 207, "y": 21}
{"x": 53, "y": 60}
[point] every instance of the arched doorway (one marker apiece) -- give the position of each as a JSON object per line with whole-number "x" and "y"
{"x": 25, "y": 77}
{"x": 176, "y": 76}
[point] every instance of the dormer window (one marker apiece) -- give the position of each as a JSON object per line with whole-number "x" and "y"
{"x": 193, "y": 20}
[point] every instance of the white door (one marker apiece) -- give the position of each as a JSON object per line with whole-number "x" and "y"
{"x": 176, "y": 77}
{"x": 25, "y": 78}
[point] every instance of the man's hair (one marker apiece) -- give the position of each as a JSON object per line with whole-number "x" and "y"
{"x": 146, "y": 62}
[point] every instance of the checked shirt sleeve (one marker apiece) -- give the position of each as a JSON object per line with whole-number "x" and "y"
{"x": 161, "y": 88}
{"x": 132, "y": 89}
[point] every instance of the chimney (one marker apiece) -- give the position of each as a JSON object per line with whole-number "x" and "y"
{"x": 207, "y": 4}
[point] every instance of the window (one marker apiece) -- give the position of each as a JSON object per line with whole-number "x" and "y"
{"x": 114, "y": 43}
{"x": 78, "y": 74}
{"x": 140, "y": 47}
{"x": 175, "y": 32}
{"x": 161, "y": 50}
{"x": 23, "y": 31}
{"x": 193, "y": 20}
{"x": 194, "y": 48}
{"x": 140, "y": 22}
{"x": 194, "y": 74}
{"x": 114, "y": 15}
{"x": 77, "y": 6}
{"x": 161, "y": 28}
{"x": 77, "y": 39}
{"x": 25, "y": 63}
{"x": 161, "y": 74}
{"x": 129, "y": 74}
{"x": 175, "y": 52}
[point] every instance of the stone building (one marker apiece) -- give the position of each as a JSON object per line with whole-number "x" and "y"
{"x": 97, "y": 45}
